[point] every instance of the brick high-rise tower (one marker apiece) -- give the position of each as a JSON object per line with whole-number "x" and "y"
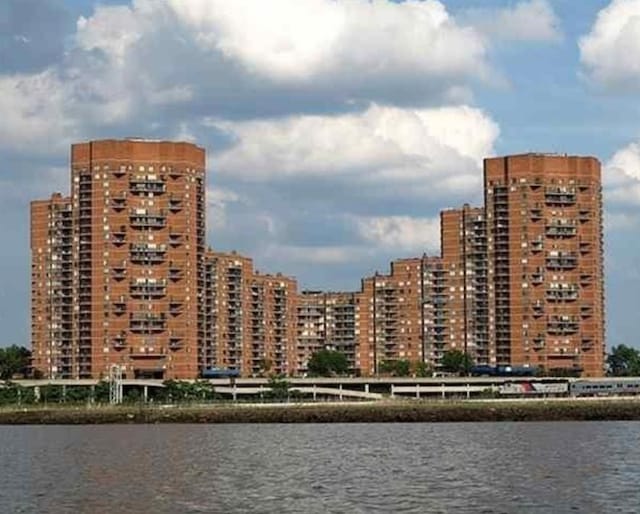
{"x": 137, "y": 212}
{"x": 464, "y": 256}
{"x": 55, "y": 354}
{"x": 544, "y": 226}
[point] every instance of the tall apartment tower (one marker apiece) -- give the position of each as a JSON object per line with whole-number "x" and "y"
{"x": 137, "y": 214}
{"x": 464, "y": 257}
{"x": 544, "y": 228}
{"x": 55, "y": 354}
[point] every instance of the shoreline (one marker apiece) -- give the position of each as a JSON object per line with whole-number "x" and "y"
{"x": 375, "y": 412}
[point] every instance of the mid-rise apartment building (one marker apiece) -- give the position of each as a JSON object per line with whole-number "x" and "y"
{"x": 544, "y": 227}
{"x": 326, "y": 321}
{"x": 436, "y": 310}
{"x": 274, "y": 312}
{"x": 228, "y": 309}
{"x": 138, "y": 229}
{"x": 250, "y": 317}
{"x": 390, "y": 316}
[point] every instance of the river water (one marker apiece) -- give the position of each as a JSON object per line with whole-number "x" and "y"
{"x": 450, "y": 467}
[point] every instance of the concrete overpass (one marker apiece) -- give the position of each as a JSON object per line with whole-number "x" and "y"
{"x": 364, "y": 388}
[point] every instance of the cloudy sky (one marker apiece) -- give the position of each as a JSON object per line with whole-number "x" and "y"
{"x": 336, "y": 129}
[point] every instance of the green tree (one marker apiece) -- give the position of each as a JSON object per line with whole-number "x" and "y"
{"x": 455, "y": 361}
{"x": 278, "y": 388}
{"x": 79, "y": 394}
{"x": 51, "y": 394}
{"x": 623, "y": 361}
{"x": 421, "y": 369}
{"x": 327, "y": 363}
{"x": 101, "y": 392}
{"x": 265, "y": 366}
{"x": 14, "y": 360}
{"x": 178, "y": 391}
{"x": 396, "y": 368}
{"x": 11, "y": 394}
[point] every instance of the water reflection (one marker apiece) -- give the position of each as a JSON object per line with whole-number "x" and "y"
{"x": 488, "y": 467}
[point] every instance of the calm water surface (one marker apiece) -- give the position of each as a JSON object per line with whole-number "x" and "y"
{"x": 487, "y": 468}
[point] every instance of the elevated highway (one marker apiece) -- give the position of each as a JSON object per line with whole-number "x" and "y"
{"x": 364, "y": 388}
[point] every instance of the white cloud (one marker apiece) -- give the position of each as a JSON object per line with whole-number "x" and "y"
{"x": 218, "y": 200}
{"x": 621, "y": 176}
{"x": 316, "y": 254}
{"x": 436, "y": 150}
{"x": 620, "y": 221}
{"x": 113, "y": 30}
{"x": 328, "y": 40}
{"x": 610, "y": 50}
{"x": 532, "y": 20}
{"x": 32, "y": 112}
{"x": 136, "y": 65}
{"x": 401, "y": 232}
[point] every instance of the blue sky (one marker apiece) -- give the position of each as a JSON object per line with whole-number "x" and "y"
{"x": 336, "y": 129}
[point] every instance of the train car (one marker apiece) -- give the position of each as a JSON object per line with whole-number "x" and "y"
{"x": 607, "y": 387}
{"x": 220, "y": 373}
{"x": 530, "y": 388}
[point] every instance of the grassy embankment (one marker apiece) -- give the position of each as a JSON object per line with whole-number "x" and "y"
{"x": 379, "y": 412}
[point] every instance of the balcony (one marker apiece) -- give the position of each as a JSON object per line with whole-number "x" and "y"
{"x": 147, "y": 322}
{"x": 119, "y": 306}
{"x": 535, "y": 214}
{"x": 143, "y": 253}
{"x": 585, "y": 246}
{"x": 119, "y": 270}
{"x": 119, "y": 171}
{"x": 176, "y": 340}
{"x": 561, "y": 229}
{"x": 175, "y": 204}
{"x": 586, "y": 279}
{"x": 175, "y": 272}
{"x": 119, "y": 235}
{"x": 538, "y": 342}
{"x": 586, "y": 343}
{"x": 119, "y": 342}
{"x": 147, "y": 352}
{"x": 584, "y": 215}
{"x": 561, "y": 260}
{"x": 175, "y": 239}
{"x": 141, "y": 218}
{"x": 147, "y": 184}
{"x": 118, "y": 203}
{"x": 562, "y": 293}
{"x": 536, "y": 183}
{"x": 537, "y": 245}
{"x": 560, "y": 196}
{"x": 175, "y": 307}
{"x": 537, "y": 277}
{"x": 538, "y": 309}
{"x": 148, "y": 288}
{"x": 561, "y": 325}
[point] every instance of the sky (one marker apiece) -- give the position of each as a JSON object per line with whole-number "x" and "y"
{"x": 335, "y": 130}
